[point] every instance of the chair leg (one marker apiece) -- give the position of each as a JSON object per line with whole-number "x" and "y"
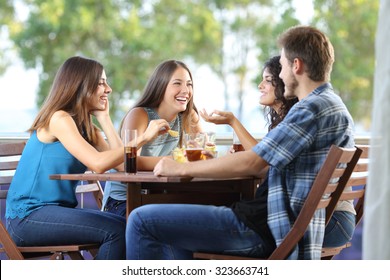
{"x": 327, "y": 258}
{"x": 57, "y": 256}
{"x": 93, "y": 252}
{"x": 75, "y": 255}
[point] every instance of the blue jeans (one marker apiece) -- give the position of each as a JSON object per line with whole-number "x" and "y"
{"x": 117, "y": 207}
{"x": 175, "y": 231}
{"x": 56, "y": 225}
{"x": 340, "y": 229}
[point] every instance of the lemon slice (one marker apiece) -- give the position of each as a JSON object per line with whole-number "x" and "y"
{"x": 173, "y": 133}
{"x": 178, "y": 155}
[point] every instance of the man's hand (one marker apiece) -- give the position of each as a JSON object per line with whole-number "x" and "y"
{"x": 169, "y": 167}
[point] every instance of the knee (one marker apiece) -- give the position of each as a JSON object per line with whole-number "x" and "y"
{"x": 135, "y": 221}
{"x": 133, "y": 218}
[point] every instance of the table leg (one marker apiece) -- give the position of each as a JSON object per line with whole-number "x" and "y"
{"x": 133, "y": 197}
{"x": 248, "y": 188}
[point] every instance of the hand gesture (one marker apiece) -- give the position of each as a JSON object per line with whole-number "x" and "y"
{"x": 218, "y": 117}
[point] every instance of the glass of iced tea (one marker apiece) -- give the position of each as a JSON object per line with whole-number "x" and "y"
{"x": 194, "y": 145}
{"x": 237, "y": 146}
{"x": 210, "y": 145}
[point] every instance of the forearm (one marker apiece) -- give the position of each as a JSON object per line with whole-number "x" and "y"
{"x": 106, "y": 160}
{"x": 235, "y": 165}
{"x": 142, "y": 140}
{"x": 147, "y": 163}
{"x": 111, "y": 134}
{"x": 246, "y": 139}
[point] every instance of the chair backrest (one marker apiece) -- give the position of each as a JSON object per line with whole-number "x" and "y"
{"x": 355, "y": 190}
{"x": 358, "y": 182}
{"x": 332, "y": 177}
{"x": 355, "y": 186}
{"x": 9, "y": 158}
{"x": 93, "y": 187}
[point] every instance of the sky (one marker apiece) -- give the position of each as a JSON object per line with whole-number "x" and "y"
{"x": 19, "y": 87}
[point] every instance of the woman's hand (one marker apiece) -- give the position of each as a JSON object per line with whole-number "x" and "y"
{"x": 218, "y": 117}
{"x": 156, "y": 128}
{"x": 102, "y": 115}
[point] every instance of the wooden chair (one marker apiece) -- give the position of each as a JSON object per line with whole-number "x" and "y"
{"x": 357, "y": 182}
{"x": 337, "y": 167}
{"x": 92, "y": 187}
{"x": 9, "y": 158}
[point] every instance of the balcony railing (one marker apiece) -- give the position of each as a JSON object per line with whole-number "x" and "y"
{"x": 223, "y": 139}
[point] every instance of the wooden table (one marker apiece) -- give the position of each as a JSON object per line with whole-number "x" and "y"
{"x": 145, "y": 188}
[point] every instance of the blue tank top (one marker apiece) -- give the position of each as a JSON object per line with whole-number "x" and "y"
{"x": 31, "y": 187}
{"x": 160, "y": 146}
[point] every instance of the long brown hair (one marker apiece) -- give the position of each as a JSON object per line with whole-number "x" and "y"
{"x": 74, "y": 84}
{"x": 154, "y": 91}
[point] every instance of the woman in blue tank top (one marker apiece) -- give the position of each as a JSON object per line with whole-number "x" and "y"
{"x": 63, "y": 139}
{"x": 166, "y": 103}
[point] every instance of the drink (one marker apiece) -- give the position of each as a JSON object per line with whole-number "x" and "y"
{"x": 194, "y": 144}
{"x": 238, "y": 147}
{"x": 194, "y": 154}
{"x": 130, "y": 144}
{"x": 211, "y": 148}
{"x": 131, "y": 160}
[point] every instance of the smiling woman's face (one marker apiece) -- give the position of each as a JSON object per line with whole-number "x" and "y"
{"x": 101, "y": 94}
{"x": 179, "y": 90}
{"x": 267, "y": 90}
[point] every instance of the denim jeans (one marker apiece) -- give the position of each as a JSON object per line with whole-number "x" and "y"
{"x": 115, "y": 206}
{"x": 174, "y": 231}
{"x": 340, "y": 229}
{"x": 56, "y": 225}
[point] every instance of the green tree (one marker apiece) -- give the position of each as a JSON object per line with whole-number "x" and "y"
{"x": 351, "y": 26}
{"x": 238, "y": 20}
{"x": 273, "y": 25}
{"x": 129, "y": 37}
{"x": 6, "y": 17}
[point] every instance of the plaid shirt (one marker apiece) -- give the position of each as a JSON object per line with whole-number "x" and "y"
{"x": 295, "y": 151}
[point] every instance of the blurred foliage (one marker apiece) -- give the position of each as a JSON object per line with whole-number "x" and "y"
{"x": 232, "y": 37}
{"x": 128, "y": 37}
{"x": 351, "y": 27}
{"x": 6, "y": 18}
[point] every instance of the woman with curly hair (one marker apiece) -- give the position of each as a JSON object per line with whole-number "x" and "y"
{"x": 271, "y": 96}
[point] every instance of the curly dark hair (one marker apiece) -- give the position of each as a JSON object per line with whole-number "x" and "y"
{"x": 274, "y": 118}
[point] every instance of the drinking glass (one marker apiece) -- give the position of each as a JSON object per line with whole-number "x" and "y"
{"x": 130, "y": 144}
{"x": 210, "y": 145}
{"x": 237, "y": 146}
{"x": 194, "y": 145}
